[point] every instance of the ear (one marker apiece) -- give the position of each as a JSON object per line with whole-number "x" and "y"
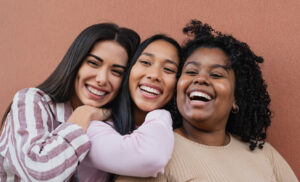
{"x": 235, "y": 108}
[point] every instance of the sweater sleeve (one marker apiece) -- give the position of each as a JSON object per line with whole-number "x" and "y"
{"x": 36, "y": 151}
{"x": 145, "y": 152}
{"x": 282, "y": 170}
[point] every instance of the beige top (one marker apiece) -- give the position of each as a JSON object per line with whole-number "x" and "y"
{"x": 194, "y": 162}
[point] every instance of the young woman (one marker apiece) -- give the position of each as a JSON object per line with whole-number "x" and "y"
{"x": 224, "y": 104}
{"x": 43, "y": 136}
{"x": 147, "y": 89}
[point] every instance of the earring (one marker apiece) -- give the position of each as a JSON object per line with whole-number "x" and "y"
{"x": 235, "y": 109}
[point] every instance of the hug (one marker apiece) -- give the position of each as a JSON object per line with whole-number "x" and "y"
{"x": 116, "y": 109}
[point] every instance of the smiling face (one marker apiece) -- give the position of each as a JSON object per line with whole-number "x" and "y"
{"x": 100, "y": 75}
{"x": 152, "y": 78}
{"x": 205, "y": 90}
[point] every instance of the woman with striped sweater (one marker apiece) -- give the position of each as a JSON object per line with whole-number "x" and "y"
{"x": 43, "y": 131}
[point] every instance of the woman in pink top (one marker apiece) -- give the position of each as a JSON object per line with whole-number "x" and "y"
{"x": 142, "y": 103}
{"x": 43, "y": 136}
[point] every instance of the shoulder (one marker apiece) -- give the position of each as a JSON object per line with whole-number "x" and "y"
{"x": 30, "y": 98}
{"x": 32, "y": 93}
{"x": 269, "y": 151}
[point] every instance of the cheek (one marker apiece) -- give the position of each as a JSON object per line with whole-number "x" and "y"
{"x": 131, "y": 83}
{"x": 171, "y": 83}
{"x": 226, "y": 90}
{"x": 180, "y": 92}
{"x": 116, "y": 83}
{"x": 133, "y": 76}
{"x": 182, "y": 85}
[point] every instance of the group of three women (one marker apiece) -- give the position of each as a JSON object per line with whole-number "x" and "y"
{"x": 110, "y": 108}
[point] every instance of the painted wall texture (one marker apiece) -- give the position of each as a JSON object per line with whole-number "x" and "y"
{"x": 34, "y": 36}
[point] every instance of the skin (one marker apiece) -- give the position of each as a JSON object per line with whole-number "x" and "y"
{"x": 152, "y": 79}
{"x": 206, "y": 71}
{"x": 97, "y": 82}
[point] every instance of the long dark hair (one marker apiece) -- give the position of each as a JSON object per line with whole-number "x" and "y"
{"x": 122, "y": 108}
{"x": 60, "y": 84}
{"x": 253, "y": 118}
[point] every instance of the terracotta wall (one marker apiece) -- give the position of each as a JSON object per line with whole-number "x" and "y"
{"x": 34, "y": 36}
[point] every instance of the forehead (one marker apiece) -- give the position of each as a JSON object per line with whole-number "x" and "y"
{"x": 162, "y": 49}
{"x": 208, "y": 56}
{"x": 110, "y": 51}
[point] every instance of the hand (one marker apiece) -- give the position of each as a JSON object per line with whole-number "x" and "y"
{"x": 82, "y": 115}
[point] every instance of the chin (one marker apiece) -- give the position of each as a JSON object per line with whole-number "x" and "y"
{"x": 146, "y": 108}
{"x": 93, "y": 104}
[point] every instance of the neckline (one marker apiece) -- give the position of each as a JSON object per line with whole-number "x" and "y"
{"x": 203, "y": 145}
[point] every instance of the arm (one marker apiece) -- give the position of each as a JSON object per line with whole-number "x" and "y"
{"x": 35, "y": 151}
{"x": 143, "y": 153}
{"x": 282, "y": 170}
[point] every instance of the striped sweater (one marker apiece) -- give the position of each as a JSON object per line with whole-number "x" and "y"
{"x": 37, "y": 144}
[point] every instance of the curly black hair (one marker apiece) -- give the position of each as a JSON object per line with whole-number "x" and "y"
{"x": 253, "y": 118}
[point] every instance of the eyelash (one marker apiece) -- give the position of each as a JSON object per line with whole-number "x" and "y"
{"x": 169, "y": 70}
{"x": 214, "y": 75}
{"x": 117, "y": 73}
{"x": 146, "y": 63}
{"x": 191, "y": 72}
{"x": 92, "y": 63}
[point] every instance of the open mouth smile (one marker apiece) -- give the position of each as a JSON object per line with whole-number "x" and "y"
{"x": 95, "y": 91}
{"x": 150, "y": 90}
{"x": 200, "y": 96}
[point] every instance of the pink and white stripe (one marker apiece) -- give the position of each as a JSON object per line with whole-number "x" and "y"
{"x": 37, "y": 144}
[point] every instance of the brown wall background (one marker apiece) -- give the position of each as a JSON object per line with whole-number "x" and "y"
{"x": 34, "y": 36}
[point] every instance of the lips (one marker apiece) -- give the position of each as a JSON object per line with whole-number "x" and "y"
{"x": 95, "y": 91}
{"x": 200, "y": 95}
{"x": 150, "y": 90}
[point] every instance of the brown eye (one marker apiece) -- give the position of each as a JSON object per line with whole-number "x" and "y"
{"x": 169, "y": 70}
{"x": 92, "y": 63}
{"x": 191, "y": 72}
{"x": 117, "y": 73}
{"x": 216, "y": 75}
{"x": 145, "y": 63}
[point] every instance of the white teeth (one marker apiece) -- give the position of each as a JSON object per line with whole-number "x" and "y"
{"x": 150, "y": 90}
{"x": 200, "y": 94}
{"x": 96, "y": 92}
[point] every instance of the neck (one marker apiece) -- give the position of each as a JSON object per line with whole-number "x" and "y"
{"x": 139, "y": 116}
{"x": 210, "y": 138}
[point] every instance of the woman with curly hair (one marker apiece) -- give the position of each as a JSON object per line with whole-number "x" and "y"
{"x": 224, "y": 104}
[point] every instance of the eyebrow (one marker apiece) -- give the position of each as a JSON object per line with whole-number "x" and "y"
{"x": 167, "y": 60}
{"x": 119, "y": 66}
{"x": 225, "y": 67}
{"x": 96, "y": 57}
{"x": 192, "y": 63}
{"x": 101, "y": 60}
{"x": 147, "y": 54}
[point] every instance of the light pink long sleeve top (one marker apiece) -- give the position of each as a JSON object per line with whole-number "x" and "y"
{"x": 143, "y": 153}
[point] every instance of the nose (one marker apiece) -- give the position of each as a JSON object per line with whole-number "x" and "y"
{"x": 201, "y": 79}
{"x": 102, "y": 77}
{"x": 154, "y": 74}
